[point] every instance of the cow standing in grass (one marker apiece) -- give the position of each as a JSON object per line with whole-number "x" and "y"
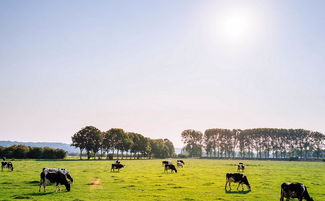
{"x": 59, "y": 176}
{"x": 7, "y": 164}
{"x": 170, "y": 167}
{"x": 241, "y": 167}
{"x": 166, "y": 163}
{"x": 181, "y": 161}
{"x": 239, "y": 178}
{"x": 179, "y": 164}
{"x": 117, "y": 167}
{"x": 294, "y": 190}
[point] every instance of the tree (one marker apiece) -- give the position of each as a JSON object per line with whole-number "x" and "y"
{"x": 78, "y": 140}
{"x": 193, "y": 142}
{"x": 88, "y": 138}
{"x": 35, "y": 152}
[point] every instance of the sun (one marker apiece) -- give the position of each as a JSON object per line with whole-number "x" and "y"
{"x": 236, "y": 26}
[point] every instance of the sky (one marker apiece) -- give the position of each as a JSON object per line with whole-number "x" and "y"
{"x": 159, "y": 67}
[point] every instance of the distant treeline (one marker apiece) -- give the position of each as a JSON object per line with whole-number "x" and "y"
{"x": 23, "y": 152}
{"x": 255, "y": 143}
{"x": 117, "y": 142}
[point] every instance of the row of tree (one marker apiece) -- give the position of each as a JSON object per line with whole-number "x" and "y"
{"x": 255, "y": 143}
{"x": 117, "y": 142}
{"x": 23, "y": 152}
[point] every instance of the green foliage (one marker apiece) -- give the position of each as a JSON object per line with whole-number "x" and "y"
{"x": 262, "y": 143}
{"x": 143, "y": 180}
{"x": 22, "y": 152}
{"x": 193, "y": 142}
{"x": 117, "y": 141}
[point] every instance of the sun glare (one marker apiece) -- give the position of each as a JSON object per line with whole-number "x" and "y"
{"x": 236, "y": 26}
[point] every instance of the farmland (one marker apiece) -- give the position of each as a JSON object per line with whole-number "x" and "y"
{"x": 146, "y": 180}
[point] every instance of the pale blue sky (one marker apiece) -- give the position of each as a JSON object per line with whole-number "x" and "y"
{"x": 159, "y": 67}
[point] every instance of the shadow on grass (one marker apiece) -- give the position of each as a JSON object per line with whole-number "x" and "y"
{"x": 41, "y": 193}
{"x": 34, "y": 183}
{"x": 237, "y": 192}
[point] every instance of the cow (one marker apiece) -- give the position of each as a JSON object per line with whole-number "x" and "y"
{"x": 181, "y": 161}
{"x": 117, "y": 162}
{"x": 241, "y": 167}
{"x": 170, "y": 167}
{"x": 7, "y": 164}
{"x": 166, "y": 163}
{"x": 239, "y": 178}
{"x": 59, "y": 176}
{"x": 294, "y": 190}
{"x": 117, "y": 166}
{"x": 179, "y": 164}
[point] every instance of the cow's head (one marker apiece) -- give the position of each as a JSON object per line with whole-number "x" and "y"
{"x": 69, "y": 178}
{"x": 67, "y": 186}
{"x": 245, "y": 181}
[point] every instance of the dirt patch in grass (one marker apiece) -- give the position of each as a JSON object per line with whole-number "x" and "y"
{"x": 95, "y": 184}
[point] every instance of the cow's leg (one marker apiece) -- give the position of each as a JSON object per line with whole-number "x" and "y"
{"x": 281, "y": 198}
{"x": 226, "y": 185}
{"x": 238, "y": 186}
{"x": 44, "y": 187}
{"x": 40, "y": 186}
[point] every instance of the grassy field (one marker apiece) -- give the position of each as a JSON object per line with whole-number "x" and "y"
{"x": 146, "y": 180}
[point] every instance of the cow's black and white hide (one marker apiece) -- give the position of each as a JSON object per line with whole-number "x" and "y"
{"x": 166, "y": 163}
{"x": 241, "y": 167}
{"x": 170, "y": 167}
{"x": 179, "y": 164}
{"x": 181, "y": 161}
{"x": 59, "y": 176}
{"x": 117, "y": 166}
{"x": 239, "y": 178}
{"x": 7, "y": 164}
{"x": 294, "y": 190}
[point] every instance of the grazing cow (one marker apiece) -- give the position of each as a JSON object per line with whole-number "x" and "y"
{"x": 241, "y": 167}
{"x": 179, "y": 164}
{"x": 294, "y": 190}
{"x": 117, "y": 166}
{"x": 59, "y": 176}
{"x": 166, "y": 162}
{"x": 181, "y": 161}
{"x": 237, "y": 178}
{"x": 7, "y": 164}
{"x": 170, "y": 167}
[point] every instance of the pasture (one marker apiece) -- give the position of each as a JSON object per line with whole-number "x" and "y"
{"x": 146, "y": 180}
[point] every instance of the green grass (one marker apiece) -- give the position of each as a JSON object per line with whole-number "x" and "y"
{"x": 146, "y": 180}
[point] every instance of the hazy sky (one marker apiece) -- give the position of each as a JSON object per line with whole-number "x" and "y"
{"x": 159, "y": 67}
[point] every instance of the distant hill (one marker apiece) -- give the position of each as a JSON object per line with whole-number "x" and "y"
{"x": 56, "y": 145}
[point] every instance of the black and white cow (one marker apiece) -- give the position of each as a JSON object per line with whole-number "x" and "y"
{"x": 241, "y": 167}
{"x": 59, "y": 176}
{"x": 166, "y": 163}
{"x": 7, "y": 164}
{"x": 170, "y": 167}
{"x": 179, "y": 164}
{"x": 181, "y": 161}
{"x": 239, "y": 178}
{"x": 116, "y": 166}
{"x": 294, "y": 190}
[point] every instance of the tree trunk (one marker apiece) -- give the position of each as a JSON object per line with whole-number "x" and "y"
{"x": 80, "y": 154}
{"x": 88, "y": 155}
